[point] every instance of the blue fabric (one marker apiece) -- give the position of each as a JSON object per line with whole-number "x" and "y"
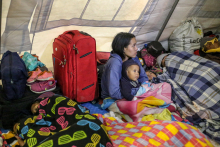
{"x": 3, "y": 130}
{"x": 31, "y": 62}
{"x": 111, "y": 76}
{"x": 164, "y": 106}
{"x": 94, "y": 109}
{"x": 134, "y": 91}
{"x": 129, "y": 88}
{"x": 142, "y": 90}
{"x": 107, "y": 102}
{"x": 172, "y": 118}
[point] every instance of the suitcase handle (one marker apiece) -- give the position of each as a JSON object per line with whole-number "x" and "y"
{"x": 73, "y": 32}
{"x": 70, "y": 39}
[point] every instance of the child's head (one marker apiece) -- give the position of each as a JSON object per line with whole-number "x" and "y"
{"x": 150, "y": 52}
{"x": 35, "y": 107}
{"x": 155, "y": 48}
{"x": 133, "y": 72}
{"x": 130, "y": 70}
{"x": 150, "y": 75}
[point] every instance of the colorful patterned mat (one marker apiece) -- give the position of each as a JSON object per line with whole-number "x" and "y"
{"x": 156, "y": 133}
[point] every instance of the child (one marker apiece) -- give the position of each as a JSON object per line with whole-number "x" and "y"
{"x": 16, "y": 127}
{"x": 20, "y": 141}
{"x": 150, "y": 75}
{"x": 149, "y": 53}
{"x": 129, "y": 83}
{"x": 35, "y": 105}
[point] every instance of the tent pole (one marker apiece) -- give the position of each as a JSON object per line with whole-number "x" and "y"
{"x": 167, "y": 19}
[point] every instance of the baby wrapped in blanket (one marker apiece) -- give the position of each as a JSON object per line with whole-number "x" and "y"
{"x": 141, "y": 99}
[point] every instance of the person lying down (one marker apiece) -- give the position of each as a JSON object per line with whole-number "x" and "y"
{"x": 195, "y": 88}
{"x": 60, "y": 121}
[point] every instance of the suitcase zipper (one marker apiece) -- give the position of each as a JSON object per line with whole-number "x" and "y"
{"x": 64, "y": 61}
{"x": 75, "y": 48}
{"x": 64, "y": 57}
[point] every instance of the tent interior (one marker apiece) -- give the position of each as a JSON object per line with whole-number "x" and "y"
{"x": 32, "y": 25}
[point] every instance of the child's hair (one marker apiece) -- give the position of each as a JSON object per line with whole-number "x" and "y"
{"x": 150, "y": 77}
{"x": 127, "y": 64}
{"x": 36, "y": 101}
{"x": 151, "y": 71}
{"x": 155, "y": 48}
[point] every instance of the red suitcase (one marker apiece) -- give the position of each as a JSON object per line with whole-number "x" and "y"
{"x": 75, "y": 66}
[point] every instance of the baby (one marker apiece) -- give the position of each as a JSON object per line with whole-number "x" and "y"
{"x": 129, "y": 81}
{"x": 36, "y": 103}
{"x": 34, "y": 110}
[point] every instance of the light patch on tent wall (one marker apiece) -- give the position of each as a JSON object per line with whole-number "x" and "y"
{"x": 101, "y": 10}
{"x": 211, "y": 5}
{"x": 5, "y": 8}
{"x": 131, "y": 9}
{"x": 67, "y": 10}
{"x": 206, "y": 9}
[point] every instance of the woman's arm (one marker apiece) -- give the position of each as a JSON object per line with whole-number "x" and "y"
{"x": 111, "y": 79}
{"x": 114, "y": 82}
{"x": 143, "y": 77}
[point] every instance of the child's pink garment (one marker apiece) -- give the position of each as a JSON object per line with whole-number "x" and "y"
{"x": 149, "y": 60}
{"x": 136, "y": 109}
{"x": 161, "y": 91}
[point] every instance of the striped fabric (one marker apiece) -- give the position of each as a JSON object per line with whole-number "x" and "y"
{"x": 195, "y": 85}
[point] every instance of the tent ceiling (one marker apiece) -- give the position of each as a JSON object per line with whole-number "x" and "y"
{"x": 31, "y": 25}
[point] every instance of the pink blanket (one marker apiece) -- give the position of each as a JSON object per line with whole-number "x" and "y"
{"x": 148, "y": 103}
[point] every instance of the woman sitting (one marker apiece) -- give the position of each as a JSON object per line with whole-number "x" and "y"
{"x": 123, "y": 48}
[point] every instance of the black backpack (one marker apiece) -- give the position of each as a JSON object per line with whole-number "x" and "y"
{"x": 13, "y": 75}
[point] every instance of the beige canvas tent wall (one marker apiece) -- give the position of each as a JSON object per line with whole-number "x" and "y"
{"x": 32, "y": 25}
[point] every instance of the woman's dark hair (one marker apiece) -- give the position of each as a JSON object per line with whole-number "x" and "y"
{"x": 121, "y": 41}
